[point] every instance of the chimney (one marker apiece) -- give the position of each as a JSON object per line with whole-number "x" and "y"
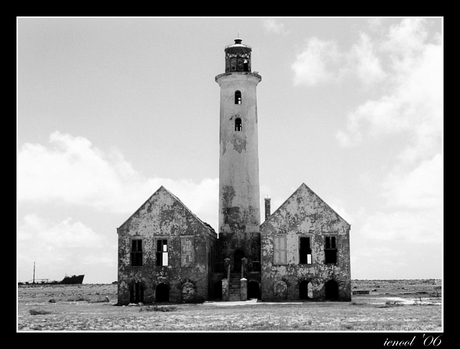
{"x": 267, "y": 206}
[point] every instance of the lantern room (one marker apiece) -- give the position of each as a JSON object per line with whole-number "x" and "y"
{"x": 238, "y": 57}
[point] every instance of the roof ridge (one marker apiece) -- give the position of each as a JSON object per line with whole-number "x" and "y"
{"x": 308, "y": 188}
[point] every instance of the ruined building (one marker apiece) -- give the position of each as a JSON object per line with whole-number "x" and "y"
{"x": 301, "y": 251}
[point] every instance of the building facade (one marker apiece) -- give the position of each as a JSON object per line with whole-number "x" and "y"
{"x": 300, "y": 252}
{"x": 305, "y": 251}
{"x": 165, "y": 253}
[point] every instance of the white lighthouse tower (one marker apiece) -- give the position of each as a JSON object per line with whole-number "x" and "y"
{"x": 239, "y": 205}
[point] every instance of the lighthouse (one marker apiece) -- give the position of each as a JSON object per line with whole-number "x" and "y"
{"x": 239, "y": 203}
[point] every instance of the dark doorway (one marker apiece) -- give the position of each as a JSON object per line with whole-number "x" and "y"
{"x": 239, "y": 254}
{"x": 136, "y": 292}
{"x": 253, "y": 290}
{"x": 162, "y": 293}
{"x": 218, "y": 290}
{"x": 332, "y": 290}
{"x": 305, "y": 291}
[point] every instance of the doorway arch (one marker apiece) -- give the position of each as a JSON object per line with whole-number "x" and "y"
{"x": 253, "y": 290}
{"x": 239, "y": 254}
{"x": 305, "y": 290}
{"x": 162, "y": 293}
{"x": 136, "y": 292}
{"x": 332, "y": 290}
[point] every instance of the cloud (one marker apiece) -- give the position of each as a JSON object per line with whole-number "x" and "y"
{"x": 51, "y": 235}
{"x": 73, "y": 171}
{"x": 414, "y": 206}
{"x": 421, "y": 188}
{"x": 414, "y": 101}
{"x": 312, "y": 65}
{"x": 273, "y": 26}
{"x": 368, "y": 66}
{"x": 59, "y": 247}
{"x": 321, "y": 61}
{"x": 414, "y": 227}
{"x": 407, "y": 37}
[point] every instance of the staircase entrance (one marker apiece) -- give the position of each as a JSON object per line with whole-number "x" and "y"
{"x": 234, "y": 289}
{"x": 239, "y": 254}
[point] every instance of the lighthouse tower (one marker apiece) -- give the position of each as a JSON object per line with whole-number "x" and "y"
{"x": 239, "y": 205}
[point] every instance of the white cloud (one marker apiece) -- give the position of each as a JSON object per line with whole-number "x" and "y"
{"x": 421, "y": 188}
{"x": 273, "y": 26}
{"x": 52, "y": 235}
{"x": 59, "y": 248}
{"x": 73, "y": 171}
{"x": 407, "y": 37}
{"x": 414, "y": 209}
{"x": 405, "y": 66}
{"x": 414, "y": 101}
{"x": 322, "y": 61}
{"x": 312, "y": 65}
{"x": 415, "y": 227}
{"x": 368, "y": 66}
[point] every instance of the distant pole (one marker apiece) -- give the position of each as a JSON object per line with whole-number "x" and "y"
{"x": 33, "y": 280}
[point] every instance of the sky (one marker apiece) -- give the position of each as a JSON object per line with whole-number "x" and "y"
{"x": 110, "y": 109}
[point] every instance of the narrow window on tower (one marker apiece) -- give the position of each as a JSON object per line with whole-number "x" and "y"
{"x": 237, "y": 97}
{"x": 136, "y": 253}
{"x": 162, "y": 253}
{"x": 238, "y": 125}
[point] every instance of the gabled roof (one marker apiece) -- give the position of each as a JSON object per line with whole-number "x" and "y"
{"x": 163, "y": 190}
{"x": 302, "y": 191}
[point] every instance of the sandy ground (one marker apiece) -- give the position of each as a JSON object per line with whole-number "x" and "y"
{"x": 91, "y": 307}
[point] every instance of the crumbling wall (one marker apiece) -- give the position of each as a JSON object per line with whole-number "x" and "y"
{"x": 304, "y": 214}
{"x": 189, "y": 241}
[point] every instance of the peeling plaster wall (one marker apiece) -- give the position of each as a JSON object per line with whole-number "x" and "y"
{"x": 163, "y": 216}
{"x": 304, "y": 214}
{"x": 239, "y": 207}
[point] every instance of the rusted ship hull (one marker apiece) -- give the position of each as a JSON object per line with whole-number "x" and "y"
{"x": 71, "y": 280}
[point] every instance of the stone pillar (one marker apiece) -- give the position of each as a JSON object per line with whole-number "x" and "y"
{"x": 226, "y": 282}
{"x": 243, "y": 263}
{"x": 225, "y": 294}
{"x": 244, "y": 289}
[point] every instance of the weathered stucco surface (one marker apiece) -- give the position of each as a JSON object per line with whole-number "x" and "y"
{"x": 304, "y": 214}
{"x": 190, "y": 243}
{"x": 243, "y": 262}
{"x": 239, "y": 206}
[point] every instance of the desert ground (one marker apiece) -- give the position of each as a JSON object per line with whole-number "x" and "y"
{"x": 390, "y": 305}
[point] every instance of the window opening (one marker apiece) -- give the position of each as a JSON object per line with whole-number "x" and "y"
{"x": 330, "y": 250}
{"x": 245, "y": 65}
{"x": 162, "y": 253}
{"x": 187, "y": 251}
{"x": 233, "y": 63}
{"x": 136, "y": 292}
{"x": 305, "y": 250}
{"x": 238, "y": 125}
{"x": 136, "y": 253}
{"x": 238, "y": 97}
{"x": 279, "y": 255}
